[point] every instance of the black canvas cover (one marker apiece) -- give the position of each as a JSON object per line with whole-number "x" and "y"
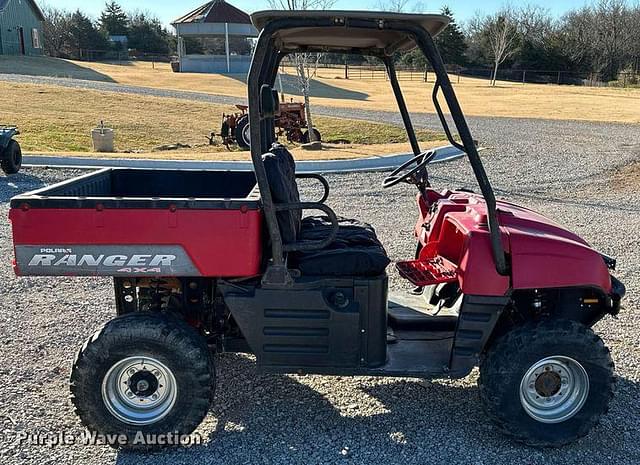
{"x": 356, "y": 250}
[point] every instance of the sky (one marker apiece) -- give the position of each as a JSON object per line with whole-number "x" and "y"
{"x": 167, "y": 10}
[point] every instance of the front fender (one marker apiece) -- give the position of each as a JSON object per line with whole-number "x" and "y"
{"x": 542, "y": 260}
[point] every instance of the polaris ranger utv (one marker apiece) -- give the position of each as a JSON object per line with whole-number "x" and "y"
{"x": 213, "y": 261}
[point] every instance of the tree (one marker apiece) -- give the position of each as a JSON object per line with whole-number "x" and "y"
{"x": 147, "y": 35}
{"x": 56, "y": 31}
{"x": 306, "y": 64}
{"x": 113, "y": 21}
{"x": 393, "y": 6}
{"x": 451, "y": 42}
{"x": 84, "y": 36}
{"x": 501, "y": 33}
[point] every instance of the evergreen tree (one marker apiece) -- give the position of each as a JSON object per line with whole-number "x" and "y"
{"x": 113, "y": 21}
{"x": 147, "y": 35}
{"x": 451, "y": 42}
{"x": 84, "y": 36}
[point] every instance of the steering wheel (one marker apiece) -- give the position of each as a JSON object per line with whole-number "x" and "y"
{"x": 412, "y": 176}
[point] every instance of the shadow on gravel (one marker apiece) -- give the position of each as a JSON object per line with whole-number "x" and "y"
{"x": 278, "y": 419}
{"x": 13, "y": 185}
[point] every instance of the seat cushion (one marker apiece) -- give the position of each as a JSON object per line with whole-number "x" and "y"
{"x": 281, "y": 174}
{"x": 350, "y": 232}
{"x": 356, "y": 250}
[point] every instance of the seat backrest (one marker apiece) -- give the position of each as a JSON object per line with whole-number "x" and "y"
{"x": 281, "y": 174}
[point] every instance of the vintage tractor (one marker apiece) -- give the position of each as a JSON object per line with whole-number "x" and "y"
{"x": 10, "y": 152}
{"x": 290, "y": 121}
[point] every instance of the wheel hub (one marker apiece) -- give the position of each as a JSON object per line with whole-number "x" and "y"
{"x": 139, "y": 390}
{"x": 554, "y": 389}
{"x": 143, "y": 383}
{"x": 548, "y": 384}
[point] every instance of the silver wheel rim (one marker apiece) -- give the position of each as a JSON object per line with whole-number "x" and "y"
{"x": 554, "y": 389}
{"x": 246, "y": 134}
{"x": 139, "y": 390}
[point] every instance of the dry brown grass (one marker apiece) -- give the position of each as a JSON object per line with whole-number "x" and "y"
{"x": 55, "y": 119}
{"x": 329, "y": 152}
{"x": 476, "y": 97}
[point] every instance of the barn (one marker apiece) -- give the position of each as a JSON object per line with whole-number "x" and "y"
{"x": 21, "y": 23}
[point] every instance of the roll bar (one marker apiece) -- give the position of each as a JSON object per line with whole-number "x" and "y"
{"x": 264, "y": 68}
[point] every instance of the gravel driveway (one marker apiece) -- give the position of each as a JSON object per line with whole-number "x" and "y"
{"x": 563, "y": 169}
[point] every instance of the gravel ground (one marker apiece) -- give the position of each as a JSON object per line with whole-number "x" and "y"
{"x": 563, "y": 169}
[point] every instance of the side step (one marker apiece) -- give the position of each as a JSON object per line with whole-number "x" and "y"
{"x": 426, "y": 272}
{"x": 412, "y": 314}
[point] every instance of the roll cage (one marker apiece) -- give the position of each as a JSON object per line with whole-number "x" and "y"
{"x": 271, "y": 49}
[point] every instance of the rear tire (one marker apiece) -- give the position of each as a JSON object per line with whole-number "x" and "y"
{"x": 143, "y": 374}
{"x": 243, "y": 137}
{"x": 11, "y": 158}
{"x": 525, "y": 374}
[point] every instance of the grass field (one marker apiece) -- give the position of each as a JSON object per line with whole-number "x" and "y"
{"x": 59, "y": 119}
{"x": 331, "y": 89}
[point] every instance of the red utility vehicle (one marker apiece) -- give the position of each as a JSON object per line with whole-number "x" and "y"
{"x": 212, "y": 261}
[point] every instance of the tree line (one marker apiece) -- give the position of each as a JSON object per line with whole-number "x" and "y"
{"x": 602, "y": 37}
{"x": 69, "y": 34}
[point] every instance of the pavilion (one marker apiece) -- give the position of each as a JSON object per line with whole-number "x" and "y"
{"x": 218, "y": 35}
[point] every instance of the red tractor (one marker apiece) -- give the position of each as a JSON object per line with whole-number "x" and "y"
{"x": 207, "y": 262}
{"x": 290, "y": 121}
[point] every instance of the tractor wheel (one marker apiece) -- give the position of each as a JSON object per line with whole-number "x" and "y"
{"x": 306, "y": 139}
{"x": 11, "y": 158}
{"x": 243, "y": 136}
{"x": 547, "y": 384}
{"x": 143, "y": 375}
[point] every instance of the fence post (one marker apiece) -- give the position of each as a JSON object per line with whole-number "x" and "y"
{"x": 426, "y": 75}
{"x": 524, "y": 76}
{"x": 559, "y": 77}
{"x": 346, "y": 70}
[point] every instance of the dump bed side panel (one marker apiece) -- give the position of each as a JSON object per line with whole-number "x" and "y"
{"x": 137, "y": 242}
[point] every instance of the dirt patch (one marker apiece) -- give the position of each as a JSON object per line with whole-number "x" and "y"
{"x": 627, "y": 177}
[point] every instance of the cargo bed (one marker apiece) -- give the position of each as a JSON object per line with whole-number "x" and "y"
{"x": 131, "y": 222}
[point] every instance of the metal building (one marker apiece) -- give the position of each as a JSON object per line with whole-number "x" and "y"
{"x": 216, "y": 22}
{"x": 21, "y": 23}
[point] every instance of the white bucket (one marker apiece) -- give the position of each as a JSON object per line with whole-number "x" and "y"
{"x": 103, "y": 139}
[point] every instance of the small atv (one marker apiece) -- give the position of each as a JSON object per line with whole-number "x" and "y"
{"x": 207, "y": 262}
{"x": 10, "y": 152}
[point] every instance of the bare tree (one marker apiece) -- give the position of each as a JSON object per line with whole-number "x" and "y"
{"x": 394, "y": 6}
{"x": 533, "y": 22}
{"x": 56, "y": 31}
{"x": 501, "y": 33}
{"x": 612, "y": 23}
{"x": 602, "y": 36}
{"x": 635, "y": 38}
{"x": 306, "y": 64}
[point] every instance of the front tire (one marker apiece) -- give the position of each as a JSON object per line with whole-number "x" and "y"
{"x": 547, "y": 384}
{"x": 143, "y": 375}
{"x": 306, "y": 137}
{"x": 11, "y": 158}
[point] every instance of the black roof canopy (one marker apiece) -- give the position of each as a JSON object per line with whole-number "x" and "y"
{"x": 341, "y": 36}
